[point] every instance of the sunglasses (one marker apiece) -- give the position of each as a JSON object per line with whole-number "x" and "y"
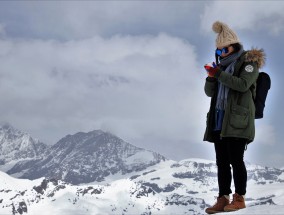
{"x": 223, "y": 50}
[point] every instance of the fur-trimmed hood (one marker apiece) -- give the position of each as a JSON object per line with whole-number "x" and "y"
{"x": 257, "y": 56}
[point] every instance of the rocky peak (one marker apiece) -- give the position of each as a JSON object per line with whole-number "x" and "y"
{"x": 86, "y": 157}
{"x": 16, "y": 145}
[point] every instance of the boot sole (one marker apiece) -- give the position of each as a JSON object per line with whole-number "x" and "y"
{"x": 231, "y": 209}
{"x": 213, "y": 212}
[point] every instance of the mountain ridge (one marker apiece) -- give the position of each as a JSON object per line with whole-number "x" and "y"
{"x": 85, "y": 157}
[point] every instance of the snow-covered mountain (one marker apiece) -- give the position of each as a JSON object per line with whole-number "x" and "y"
{"x": 116, "y": 178}
{"x": 87, "y": 157}
{"x": 169, "y": 187}
{"x": 18, "y": 146}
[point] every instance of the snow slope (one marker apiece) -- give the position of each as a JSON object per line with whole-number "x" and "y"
{"x": 169, "y": 187}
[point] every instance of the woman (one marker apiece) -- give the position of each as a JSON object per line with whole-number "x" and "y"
{"x": 231, "y": 85}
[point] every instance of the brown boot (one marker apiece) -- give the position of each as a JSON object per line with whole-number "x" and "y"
{"x": 219, "y": 206}
{"x": 237, "y": 203}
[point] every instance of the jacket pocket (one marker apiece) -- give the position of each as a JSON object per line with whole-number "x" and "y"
{"x": 239, "y": 116}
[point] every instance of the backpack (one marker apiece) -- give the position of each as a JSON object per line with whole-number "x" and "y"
{"x": 263, "y": 84}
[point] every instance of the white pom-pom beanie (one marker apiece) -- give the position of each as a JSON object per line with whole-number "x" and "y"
{"x": 226, "y": 36}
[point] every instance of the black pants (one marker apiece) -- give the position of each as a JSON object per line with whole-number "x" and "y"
{"x": 230, "y": 152}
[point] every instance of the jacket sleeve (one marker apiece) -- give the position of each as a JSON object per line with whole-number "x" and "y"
{"x": 248, "y": 75}
{"x": 210, "y": 86}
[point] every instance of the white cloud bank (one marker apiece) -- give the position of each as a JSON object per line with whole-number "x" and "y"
{"x": 245, "y": 15}
{"x": 133, "y": 86}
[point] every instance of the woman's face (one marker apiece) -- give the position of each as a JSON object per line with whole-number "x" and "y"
{"x": 230, "y": 50}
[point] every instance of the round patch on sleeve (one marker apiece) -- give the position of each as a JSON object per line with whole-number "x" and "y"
{"x": 249, "y": 68}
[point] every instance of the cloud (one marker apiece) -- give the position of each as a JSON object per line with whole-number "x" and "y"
{"x": 78, "y": 66}
{"x": 250, "y": 16}
{"x": 133, "y": 86}
{"x": 2, "y": 30}
{"x": 265, "y": 133}
{"x": 77, "y": 20}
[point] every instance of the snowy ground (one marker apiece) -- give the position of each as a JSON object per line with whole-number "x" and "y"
{"x": 260, "y": 210}
{"x": 184, "y": 187}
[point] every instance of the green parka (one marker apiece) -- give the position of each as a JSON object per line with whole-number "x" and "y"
{"x": 240, "y": 110}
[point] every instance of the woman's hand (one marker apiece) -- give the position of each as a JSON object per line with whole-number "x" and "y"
{"x": 211, "y": 69}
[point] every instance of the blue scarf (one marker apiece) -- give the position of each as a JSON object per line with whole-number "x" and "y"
{"x": 228, "y": 63}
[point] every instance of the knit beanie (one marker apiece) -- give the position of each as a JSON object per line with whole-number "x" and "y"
{"x": 226, "y": 36}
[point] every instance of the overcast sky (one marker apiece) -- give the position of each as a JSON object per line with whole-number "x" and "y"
{"x": 132, "y": 68}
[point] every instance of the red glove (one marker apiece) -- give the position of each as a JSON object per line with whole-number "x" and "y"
{"x": 211, "y": 69}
